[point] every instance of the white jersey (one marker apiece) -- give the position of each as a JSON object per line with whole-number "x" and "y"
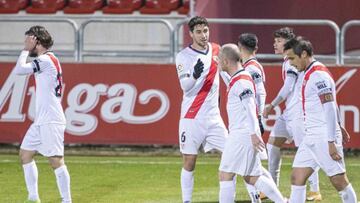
{"x": 200, "y": 96}
{"x": 316, "y": 84}
{"x": 258, "y": 75}
{"x": 48, "y": 80}
{"x": 241, "y": 106}
{"x": 290, "y": 77}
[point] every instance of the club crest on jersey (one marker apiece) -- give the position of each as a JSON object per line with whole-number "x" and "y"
{"x": 180, "y": 68}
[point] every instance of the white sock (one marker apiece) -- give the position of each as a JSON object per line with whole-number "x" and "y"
{"x": 253, "y": 193}
{"x": 298, "y": 194}
{"x": 227, "y": 190}
{"x": 274, "y": 155}
{"x": 314, "y": 181}
{"x": 63, "y": 183}
{"x": 234, "y": 183}
{"x": 31, "y": 180}
{"x": 187, "y": 184}
{"x": 266, "y": 173}
{"x": 348, "y": 195}
{"x": 268, "y": 187}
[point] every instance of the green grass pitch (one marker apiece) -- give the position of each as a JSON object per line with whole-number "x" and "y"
{"x": 140, "y": 179}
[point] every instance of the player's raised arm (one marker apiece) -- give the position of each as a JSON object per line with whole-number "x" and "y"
{"x": 23, "y": 68}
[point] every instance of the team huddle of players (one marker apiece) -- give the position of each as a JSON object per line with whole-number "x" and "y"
{"x": 310, "y": 119}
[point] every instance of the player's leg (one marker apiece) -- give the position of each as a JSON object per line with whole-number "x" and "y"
{"x": 191, "y": 136}
{"x": 28, "y": 149}
{"x": 303, "y": 166}
{"x": 278, "y": 136}
{"x": 266, "y": 186}
{"x": 345, "y": 189}
{"x": 52, "y": 136}
{"x": 187, "y": 176}
{"x": 62, "y": 177}
{"x": 227, "y": 187}
{"x": 335, "y": 170}
{"x": 314, "y": 193}
{"x": 298, "y": 184}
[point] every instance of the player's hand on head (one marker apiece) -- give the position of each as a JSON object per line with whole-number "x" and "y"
{"x": 198, "y": 69}
{"x": 333, "y": 151}
{"x": 30, "y": 42}
{"x": 258, "y": 144}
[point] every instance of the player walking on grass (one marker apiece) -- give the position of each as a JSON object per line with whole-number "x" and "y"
{"x": 200, "y": 123}
{"x": 322, "y": 143}
{"x": 241, "y": 154}
{"x": 46, "y": 134}
{"x": 289, "y": 126}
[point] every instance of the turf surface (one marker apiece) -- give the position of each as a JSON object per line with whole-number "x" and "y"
{"x": 140, "y": 179}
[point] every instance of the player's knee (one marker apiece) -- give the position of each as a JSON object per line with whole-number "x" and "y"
{"x": 339, "y": 181}
{"x": 224, "y": 176}
{"x": 297, "y": 179}
{"x": 189, "y": 162}
{"x": 25, "y": 156}
{"x": 251, "y": 179}
{"x": 56, "y": 162}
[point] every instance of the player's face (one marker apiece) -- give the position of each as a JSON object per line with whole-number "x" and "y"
{"x": 279, "y": 45}
{"x": 200, "y": 36}
{"x": 295, "y": 60}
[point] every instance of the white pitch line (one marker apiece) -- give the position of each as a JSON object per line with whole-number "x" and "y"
{"x": 141, "y": 162}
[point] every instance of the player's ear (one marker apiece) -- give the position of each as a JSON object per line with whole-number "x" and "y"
{"x": 304, "y": 54}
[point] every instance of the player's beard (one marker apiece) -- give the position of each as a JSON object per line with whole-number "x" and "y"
{"x": 202, "y": 44}
{"x": 33, "y": 53}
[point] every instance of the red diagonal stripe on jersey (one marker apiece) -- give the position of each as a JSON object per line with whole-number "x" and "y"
{"x": 256, "y": 64}
{"x": 241, "y": 77}
{"x": 306, "y": 78}
{"x": 205, "y": 89}
{"x": 58, "y": 68}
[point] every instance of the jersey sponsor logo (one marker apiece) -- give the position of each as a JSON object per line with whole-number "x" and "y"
{"x": 321, "y": 85}
{"x": 256, "y": 77}
{"x": 246, "y": 94}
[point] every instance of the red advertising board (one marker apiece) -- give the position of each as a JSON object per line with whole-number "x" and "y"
{"x": 135, "y": 103}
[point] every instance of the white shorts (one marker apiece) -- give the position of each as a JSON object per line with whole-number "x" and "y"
{"x": 315, "y": 153}
{"x": 210, "y": 133}
{"x": 46, "y": 139}
{"x": 292, "y": 130}
{"x": 240, "y": 158}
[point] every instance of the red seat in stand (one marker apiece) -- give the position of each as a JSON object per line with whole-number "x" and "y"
{"x": 160, "y": 6}
{"x": 185, "y": 7}
{"x": 12, "y": 6}
{"x": 45, "y": 6}
{"x": 122, "y": 6}
{"x": 83, "y": 6}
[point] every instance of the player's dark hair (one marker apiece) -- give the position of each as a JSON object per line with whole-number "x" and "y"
{"x": 298, "y": 45}
{"x": 197, "y": 20}
{"x": 285, "y": 32}
{"x": 249, "y": 41}
{"x": 42, "y": 35}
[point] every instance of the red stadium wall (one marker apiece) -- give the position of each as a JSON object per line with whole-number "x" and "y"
{"x": 134, "y": 103}
{"x": 337, "y": 11}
